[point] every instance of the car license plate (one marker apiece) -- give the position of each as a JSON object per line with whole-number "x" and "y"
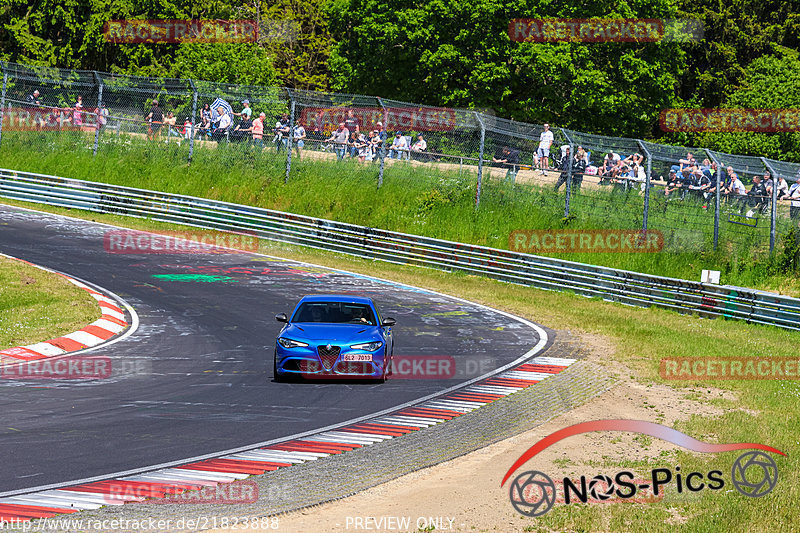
{"x": 357, "y": 357}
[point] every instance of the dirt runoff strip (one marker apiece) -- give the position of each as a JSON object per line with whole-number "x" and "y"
{"x": 332, "y": 478}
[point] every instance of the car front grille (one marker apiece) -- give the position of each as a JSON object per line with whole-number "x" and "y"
{"x": 328, "y": 355}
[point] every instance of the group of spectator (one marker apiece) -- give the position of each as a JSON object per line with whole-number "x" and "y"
{"x": 701, "y": 180}
{"x": 350, "y": 139}
{"x": 77, "y": 115}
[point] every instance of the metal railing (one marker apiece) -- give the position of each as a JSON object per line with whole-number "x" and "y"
{"x": 372, "y": 243}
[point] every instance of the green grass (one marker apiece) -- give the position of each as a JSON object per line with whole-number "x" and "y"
{"x": 764, "y": 411}
{"x": 36, "y": 305}
{"x": 423, "y": 199}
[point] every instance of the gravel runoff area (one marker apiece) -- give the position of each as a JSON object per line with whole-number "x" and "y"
{"x": 335, "y": 477}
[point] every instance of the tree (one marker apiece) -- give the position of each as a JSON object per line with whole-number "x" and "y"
{"x": 452, "y": 53}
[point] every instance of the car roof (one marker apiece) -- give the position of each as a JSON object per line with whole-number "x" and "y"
{"x": 345, "y": 298}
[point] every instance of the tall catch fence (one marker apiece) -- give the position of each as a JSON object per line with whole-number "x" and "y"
{"x": 699, "y": 199}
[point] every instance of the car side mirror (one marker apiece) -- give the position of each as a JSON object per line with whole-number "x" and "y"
{"x": 281, "y": 317}
{"x": 388, "y": 322}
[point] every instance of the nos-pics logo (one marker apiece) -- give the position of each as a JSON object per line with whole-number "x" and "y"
{"x": 533, "y": 493}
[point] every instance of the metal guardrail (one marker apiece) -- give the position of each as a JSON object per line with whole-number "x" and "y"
{"x": 609, "y": 284}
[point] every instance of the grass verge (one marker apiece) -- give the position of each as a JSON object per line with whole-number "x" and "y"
{"x": 36, "y": 305}
{"x": 762, "y": 411}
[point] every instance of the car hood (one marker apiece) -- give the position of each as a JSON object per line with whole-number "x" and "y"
{"x": 332, "y": 333}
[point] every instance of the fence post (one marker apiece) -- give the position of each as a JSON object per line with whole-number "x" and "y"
{"x": 569, "y": 171}
{"x": 291, "y": 135}
{"x": 480, "y": 161}
{"x": 193, "y": 121}
{"x": 99, "y": 111}
{"x": 3, "y": 98}
{"x": 382, "y": 154}
{"x": 774, "y": 210}
{"x": 647, "y": 174}
{"x": 717, "y": 200}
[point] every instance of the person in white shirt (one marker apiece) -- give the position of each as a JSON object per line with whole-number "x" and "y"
{"x": 783, "y": 188}
{"x": 543, "y": 153}
{"x": 399, "y": 146}
{"x": 418, "y": 147}
{"x": 794, "y": 196}
{"x": 299, "y": 133}
{"x": 223, "y": 123}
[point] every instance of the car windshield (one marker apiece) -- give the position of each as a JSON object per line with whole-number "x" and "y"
{"x": 335, "y": 313}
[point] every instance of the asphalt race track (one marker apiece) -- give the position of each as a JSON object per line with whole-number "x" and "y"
{"x": 196, "y": 376}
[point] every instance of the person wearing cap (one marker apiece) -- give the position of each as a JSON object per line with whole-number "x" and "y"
{"x": 399, "y": 146}
{"x": 246, "y": 111}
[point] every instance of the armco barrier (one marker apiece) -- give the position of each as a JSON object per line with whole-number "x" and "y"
{"x": 543, "y": 272}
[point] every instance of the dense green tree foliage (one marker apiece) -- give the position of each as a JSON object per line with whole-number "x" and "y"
{"x": 454, "y": 53}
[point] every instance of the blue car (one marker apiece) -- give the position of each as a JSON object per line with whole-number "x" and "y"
{"x": 333, "y": 336}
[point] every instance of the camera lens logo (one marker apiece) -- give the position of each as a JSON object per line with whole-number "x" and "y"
{"x": 532, "y": 493}
{"x": 754, "y": 474}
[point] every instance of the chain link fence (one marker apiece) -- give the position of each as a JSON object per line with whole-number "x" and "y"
{"x": 699, "y": 199}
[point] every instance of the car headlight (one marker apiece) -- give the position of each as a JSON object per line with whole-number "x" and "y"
{"x": 368, "y": 346}
{"x": 289, "y": 343}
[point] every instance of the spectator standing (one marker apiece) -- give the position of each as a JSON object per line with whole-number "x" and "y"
{"x": 373, "y": 145}
{"x": 243, "y": 131}
{"x": 34, "y": 108}
{"x": 543, "y": 152}
{"x": 155, "y": 118}
{"x": 339, "y": 140}
{"x": 170, "y": 122}
{"x": 381, "y": 142}
{"x": 399, "y": 146}
{"x": 258, "y": 131}
{"x": 282, "y": 131}
{"x": 794, "y": 196}
{"x": 352, "y": 123}
{"x": 352, "y": 142}
{"x": 246, "y": 111}
{"x": 102, "y": 116}
{"x": 298, "y": 136}
{"x": 563, "y": 165}
{"x": 77, "y": 112}
{"x": 187, "y": 128}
